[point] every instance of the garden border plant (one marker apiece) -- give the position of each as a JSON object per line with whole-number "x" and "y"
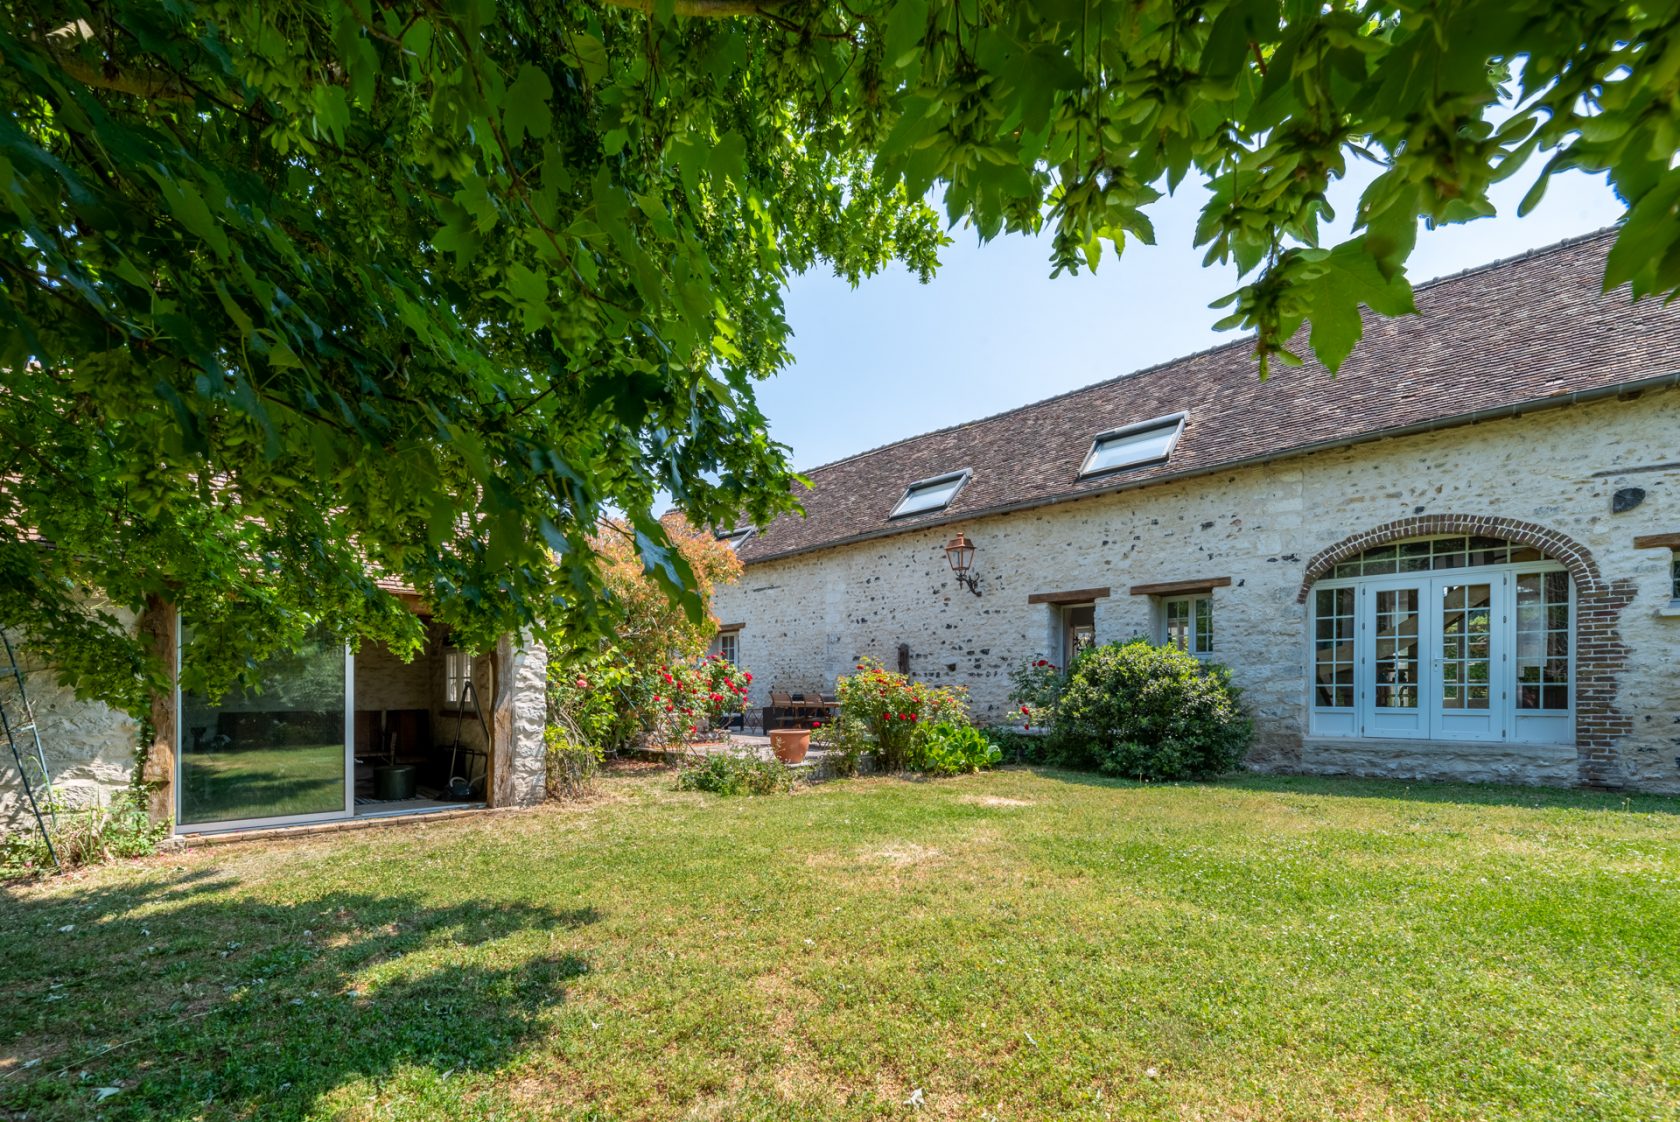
{"x": 906, "y": 724}
{"x": 1138, "y": 710}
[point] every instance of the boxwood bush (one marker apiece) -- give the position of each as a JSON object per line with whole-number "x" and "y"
{"x": 1153, "y": 713}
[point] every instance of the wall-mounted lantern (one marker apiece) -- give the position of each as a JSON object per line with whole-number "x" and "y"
{"x": 959, "y": 551}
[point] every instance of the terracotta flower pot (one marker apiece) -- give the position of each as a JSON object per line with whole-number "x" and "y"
{"x": 790, "y": 745}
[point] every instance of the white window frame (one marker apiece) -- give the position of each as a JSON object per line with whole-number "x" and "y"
{"x": 728, "y": 644}
{"x": 1508, "y": 724}
{"x": 959, "y": 478}
{"x": 1193, "y": 630}
{"x": 1174, "y": 421}
{"x": 457, "y": 672}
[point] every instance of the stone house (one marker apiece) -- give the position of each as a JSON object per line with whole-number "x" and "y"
{"x": 308, "y": 747}
{"x": 1455, "y": 559}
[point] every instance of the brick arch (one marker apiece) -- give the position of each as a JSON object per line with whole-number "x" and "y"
{"x": 1561, "y": 548}
{"x": 1600, "y": 653}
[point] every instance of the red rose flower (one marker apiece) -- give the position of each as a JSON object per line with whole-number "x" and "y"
{"x": 1024, "y": 709}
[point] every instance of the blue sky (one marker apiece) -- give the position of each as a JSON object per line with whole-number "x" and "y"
{"x": 893, "y": 357}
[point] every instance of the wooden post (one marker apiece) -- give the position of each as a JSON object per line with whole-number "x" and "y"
{"x": 157, "y": 629}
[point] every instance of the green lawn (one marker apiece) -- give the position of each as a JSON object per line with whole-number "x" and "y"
{"x": 1017, "y": 945}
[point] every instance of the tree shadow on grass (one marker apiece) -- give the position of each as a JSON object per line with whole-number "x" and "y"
{"x": 197, "y": 1002}
{"x": 1407, "y": 790}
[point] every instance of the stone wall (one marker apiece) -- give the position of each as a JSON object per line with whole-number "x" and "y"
{"x": 89, "y": 747}
{"x": 520, "y": 716}
{"x": 809, "y": 618}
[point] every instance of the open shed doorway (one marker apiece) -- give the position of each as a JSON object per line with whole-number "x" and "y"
{"x": 421, "y": 728}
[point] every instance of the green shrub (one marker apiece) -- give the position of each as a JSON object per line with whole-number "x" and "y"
{"x": 571, "y": 762}
{"x": 730, "y": 773}
{"x": 1016, "y": 746}
{"x": 948, "y": 748}
{"x": 1153, "y": 713}
{"x": 85, "y": 836}
{"x": 845, "y": 739}
{"x": 893, "y": 711}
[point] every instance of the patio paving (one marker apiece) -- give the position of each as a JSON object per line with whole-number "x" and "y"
{"x": 815, "y": 761}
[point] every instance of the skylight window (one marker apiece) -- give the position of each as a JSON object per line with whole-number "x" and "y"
{"x": 930, "y": 494}
{"x": 735, "y": 537}
{"x": 1150, "y": 442}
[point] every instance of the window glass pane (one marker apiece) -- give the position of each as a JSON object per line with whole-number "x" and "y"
{"x": 1079, "y": 630}
{"x": 269, "y": 752}
{"x": 1397, "y": 654}
{"x": 1204, "y": 625}
{"x": 1542, "y": 657}
{"x": 1452, "y": 552}
{"x": 1378, "y": 561}
{"x": 1466, "y": 631}
{"x": 1177, "y": 616}
{"x": 934, "y": 494}
{"x": 1128, "y": 449}
{"x": 1333, "y": 650}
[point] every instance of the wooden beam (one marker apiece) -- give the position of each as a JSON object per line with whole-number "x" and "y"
{"x": 1167, "y": 588}
{"x": 726, "y": 627}
{"x": 1076, "y": 596}
{"x": 1657, "y": 541}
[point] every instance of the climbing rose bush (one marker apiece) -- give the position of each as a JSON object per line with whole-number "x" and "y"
{"x": 690, "y": 698}
{"x": 615, "y": 704}
{"x": 895, "y": 711}
{"x": 1034, "y": 687}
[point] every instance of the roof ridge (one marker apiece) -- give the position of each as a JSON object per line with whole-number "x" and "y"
{"x": 1244, "y": 340}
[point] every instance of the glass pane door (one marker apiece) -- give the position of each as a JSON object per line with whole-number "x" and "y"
{"x": 1467, "y": 701}
{"x": 1395, "y": 655}
{"x": 276, "y": 752}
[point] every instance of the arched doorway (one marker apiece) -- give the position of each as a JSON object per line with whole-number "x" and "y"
{"x": 1465, "y": 629}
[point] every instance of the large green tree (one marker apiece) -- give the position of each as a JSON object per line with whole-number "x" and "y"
{"x": 297, "y": 292}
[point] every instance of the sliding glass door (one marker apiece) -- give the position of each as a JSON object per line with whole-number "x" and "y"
{"x": 278, "y": 753}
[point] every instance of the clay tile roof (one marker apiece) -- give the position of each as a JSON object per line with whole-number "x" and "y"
{"x": 1518, "y": 333}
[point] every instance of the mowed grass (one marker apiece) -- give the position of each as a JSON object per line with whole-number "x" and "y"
{"x": 1018, "y": 945}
